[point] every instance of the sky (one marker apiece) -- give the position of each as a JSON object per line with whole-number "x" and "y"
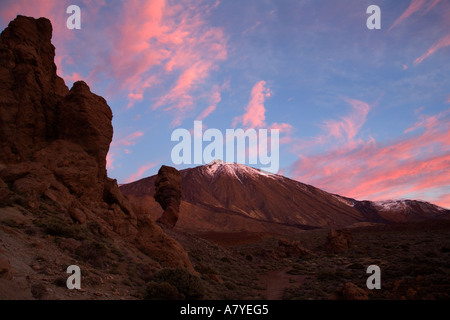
{"x": 361, "y": 112}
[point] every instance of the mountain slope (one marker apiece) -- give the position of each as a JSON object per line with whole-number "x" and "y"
{"x": 244, "y": 192}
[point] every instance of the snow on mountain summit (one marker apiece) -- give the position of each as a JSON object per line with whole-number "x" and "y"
{"x": 218, "y": 167}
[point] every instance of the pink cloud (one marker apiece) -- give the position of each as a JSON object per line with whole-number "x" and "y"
{"x": 441, "y": 43}
{"x": 347, "y": 127}
{"x": 414, "y": 6}
{"x": 340, "y": 132}
{"x": 444, "y": 200}
{"x": 432, "y": 4}
{"x": 285, "y": 132}
{"x": 74, "y": 77}
{"x": 140, "y": 172}
{"x": 255, "y": 110}
{"x": 207, "y": 112}
{"x": 118, "y": 147}
{"x": 424, "y": 122}
{"x": 416, "y": 164}
{"x": 129, "y": 140}
{"x": 167, "y": 40}
{"x": 283, "y": 127}
{"x": 214, "y": 99}
{"x": 179, "y": 96}
{"x": 110, "y": 160}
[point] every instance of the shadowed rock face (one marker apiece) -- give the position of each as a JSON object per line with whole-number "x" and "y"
{"x": 30, "y": 91}
{"x": 54, "y": 142}
{"x": 168, "y": 194}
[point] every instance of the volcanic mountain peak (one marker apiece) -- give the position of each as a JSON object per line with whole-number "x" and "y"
{"x": 218, "y": 167}
{"x": 224, "y": 196}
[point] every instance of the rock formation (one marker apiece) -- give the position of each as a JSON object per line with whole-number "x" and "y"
{"x": 168, "y": 195}
{"x": 338, "y": 241}
{"x": 54, "y": 142}
{"x": 287, "y": 249}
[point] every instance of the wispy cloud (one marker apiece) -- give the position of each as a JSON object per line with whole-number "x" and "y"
{"x": 121, "y": 146}
{"x": 347, "y": 127}
{"x": 129, "y": 140}
{"x": 169, "y": 40}
{"x": 415, "y": 6}
{"x": 110, "y": 160}
{"x": 444, "y": 200}
{"x": 416, "y": 164}
{"x": 441, "y": 43}
{"x": 254, "y": 116}
{"x": 214, "y": 100}
{"x": 432, "y": 4}
{"x": 140, "y": 172}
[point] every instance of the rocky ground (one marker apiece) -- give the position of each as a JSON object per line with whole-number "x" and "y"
{"x": 414, "y": 261}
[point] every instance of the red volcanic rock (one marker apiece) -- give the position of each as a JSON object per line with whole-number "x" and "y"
{"x": 288, "y": 249}
{"x": 30, "y": 91}
{"x": 169, "y": 217}
{"x": 78, "y": 215}
{"x": 65, "y": 159}
{"x": 86, "y": 121}
{"x": 338, "y": 241}
{"x": 53, "y": 147}
{"x": 168, "y": 194}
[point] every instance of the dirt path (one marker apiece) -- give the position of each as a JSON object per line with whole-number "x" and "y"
{"x": 277, "y": 281}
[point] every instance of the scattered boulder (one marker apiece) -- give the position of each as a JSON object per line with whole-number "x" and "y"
{"x": 338, "y": 241}
{"x": 168, "y": 195}
{"x": 287, "y": 249}
{"x": 78, "y": 215}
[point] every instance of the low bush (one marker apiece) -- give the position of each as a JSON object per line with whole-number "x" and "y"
{"x": 162, "y": 291}
{"x": 58, "y": 227}
{"x": 94, "y": 253}
{"x": 187, "y": 284}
